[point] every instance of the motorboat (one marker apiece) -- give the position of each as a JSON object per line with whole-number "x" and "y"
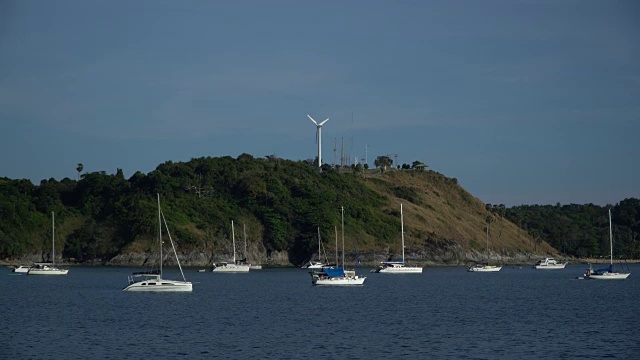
{"x": 22, "y": 269}
{"x": 549, "y": 264}
{"x": 484, "y": 267}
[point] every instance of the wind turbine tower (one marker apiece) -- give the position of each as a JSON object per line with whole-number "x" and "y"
{"x": 318, "y": 138}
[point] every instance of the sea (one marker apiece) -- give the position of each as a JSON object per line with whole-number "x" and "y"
{"x": 443, "y": 313}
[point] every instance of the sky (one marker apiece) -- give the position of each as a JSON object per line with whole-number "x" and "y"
{"x": 524, "y": 102}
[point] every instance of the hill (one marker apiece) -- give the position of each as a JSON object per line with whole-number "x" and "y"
{"x": 107, "y": 219}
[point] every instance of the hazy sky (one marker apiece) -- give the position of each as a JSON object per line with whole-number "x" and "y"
{"x": 525, "y": 102}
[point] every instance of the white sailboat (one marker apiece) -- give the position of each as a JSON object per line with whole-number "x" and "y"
{"x": 236, "y": 266}
{"x": 607, "y": 273}
{"x": 485, "y": 267}
{"x": 152, "y": 280}
{"x": 317, "y": 264}
{"x": 337, "y": 275}
{"x": 49, "y": 268}
{"x": 398, "y": 267}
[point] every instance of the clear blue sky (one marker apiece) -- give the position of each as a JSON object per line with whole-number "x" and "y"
{"x": 525, "y": 102}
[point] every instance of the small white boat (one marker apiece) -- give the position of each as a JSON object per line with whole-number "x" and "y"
{"x": 223, "y": 267}
{"x": 398, "y": 267}
{"x": 313, "y": 265}
{"x": 255, "y": 267}
{"x": 484, "y": 267}
{"x": 549, "y": 264}
{"x": 607, "y": 273}
{"x": 49, "y": 268}
{"x": 237, "y": 266}
{"x": 152, "y": 280}
{"x": 22, "y": 269}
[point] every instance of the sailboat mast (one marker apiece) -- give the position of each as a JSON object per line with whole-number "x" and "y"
{"x": 342, "y": 212}
{"x": 233, "y": 236}
{"x": 610, "y": 237}
{"x": 160, "y": 233}
{"x": 336, "y": 245}
{"x": 402, "y": 230}
{"x": 244, "y": 230}
{"x": 53, "y": 237}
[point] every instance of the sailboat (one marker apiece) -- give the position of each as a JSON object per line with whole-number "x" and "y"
{"x": 238, "y": 266}
{"x": 398, "y": 266}
{"x": 317, "y": 264}
{"x": 607, "y": 273}
{"x": 337, "y": 275}
{"x": 485, "y": 267}
{"x": 49, "y": 268}
{"x": 152, "y": 280}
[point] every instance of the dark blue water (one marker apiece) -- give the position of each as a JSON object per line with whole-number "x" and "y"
{"x": 517, "y": 313}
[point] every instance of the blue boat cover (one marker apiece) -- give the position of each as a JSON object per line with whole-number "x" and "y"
{"x": 607, "y": 269}
{"x": 334, "y": 272}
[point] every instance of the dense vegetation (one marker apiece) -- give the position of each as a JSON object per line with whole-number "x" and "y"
{"x": 282, "y": 203}
{"x": 582, "y": 230}
{"x": 101, "y": 214}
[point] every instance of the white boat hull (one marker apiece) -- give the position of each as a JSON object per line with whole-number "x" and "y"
{"x": 48, "y": 272}
{"x": 400, "y": 270}
{"x": 255, "y": 267}
{"x": 339, "y": 281}
{"x": 231, "y": 268}
{"x": 22, "y": 269}
{"x": 160, "y": 286}
{"x": 609, "y": 276}
{"x": 485, "y": 269}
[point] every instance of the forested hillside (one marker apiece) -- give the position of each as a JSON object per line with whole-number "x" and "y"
{"x": 583, "y": 230}
{"x": 280, "y": 203}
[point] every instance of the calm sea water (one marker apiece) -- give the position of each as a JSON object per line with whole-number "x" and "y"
{"x": 517, "y": 313}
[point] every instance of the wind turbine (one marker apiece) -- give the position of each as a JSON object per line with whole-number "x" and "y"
{"x": 318, "y": 138}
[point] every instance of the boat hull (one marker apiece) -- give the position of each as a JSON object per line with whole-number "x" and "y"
{"x": 48, "y": 272}
{"x": 609, "y": 276}
{"x": 485, "y": 269}
{"x": 400, "y": 270}
{"x": 255, "y": 267}
{"x": 231, "y": 269}
{"x": 340, "y": 281}
{"x": 160, "y": 286}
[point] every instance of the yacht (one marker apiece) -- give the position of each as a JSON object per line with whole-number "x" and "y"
{"x": 607, "y": 273}
{"x": 49, "y": 268}
{"x": 549, "y": 264}
{"x": 337, "y": 275}
{"x": 237, "y": 266}
{"x": 484, "y": 266}
{"x": 152, "y": 280}
{"x": 398, "y": 267}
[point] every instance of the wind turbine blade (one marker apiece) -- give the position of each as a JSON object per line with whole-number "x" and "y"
{"x": 313, "y": 121}
{"x": 322, "y": 123}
